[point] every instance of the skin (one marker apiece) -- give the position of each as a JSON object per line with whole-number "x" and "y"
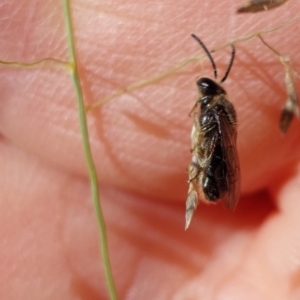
{"x": 140, "y": 141}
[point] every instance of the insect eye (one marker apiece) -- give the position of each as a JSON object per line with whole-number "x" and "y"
{"x": 207, "y": 86}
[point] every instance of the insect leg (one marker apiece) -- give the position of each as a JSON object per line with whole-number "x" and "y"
{"x": 193, "y": 108}
{"x": 191, "y": 205}
{"x": 194, "y": 171}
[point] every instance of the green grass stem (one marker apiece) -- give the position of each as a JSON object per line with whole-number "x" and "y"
{"x": 88, "y": 154}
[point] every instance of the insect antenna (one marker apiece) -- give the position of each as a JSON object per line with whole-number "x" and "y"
{"x": 230, "y": 63}
{"x": 209, "y": 56}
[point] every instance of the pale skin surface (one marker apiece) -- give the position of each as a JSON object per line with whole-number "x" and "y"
{"x": 48, "y": 233}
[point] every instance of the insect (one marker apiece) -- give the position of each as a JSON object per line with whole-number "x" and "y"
{"x": 291, "y": 107}
{"x": 260, "y": 5}
{"x": 213, "y": 173}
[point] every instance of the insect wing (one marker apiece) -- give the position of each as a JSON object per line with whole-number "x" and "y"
{"x": 231, "y": 160}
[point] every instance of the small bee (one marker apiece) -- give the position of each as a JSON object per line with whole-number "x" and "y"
{"x": 213, "y": 173}
{"x": 254, "y": 6}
